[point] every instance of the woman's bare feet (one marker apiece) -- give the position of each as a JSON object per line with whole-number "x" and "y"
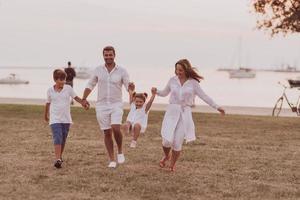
{"x": 162, "y": 162}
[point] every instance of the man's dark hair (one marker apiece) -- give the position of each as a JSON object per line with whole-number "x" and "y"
{"x": 69, "y": 63}
{"x": 109, "y": 48}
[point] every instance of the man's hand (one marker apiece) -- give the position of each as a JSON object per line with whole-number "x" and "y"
{"x": 131, "y": 86}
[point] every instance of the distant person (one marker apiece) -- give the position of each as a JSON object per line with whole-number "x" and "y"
{"x": 71, "y": 74}
{"x": 110, "y": 78}
{"x": 137, "y": 118}
{"x": 178, "y": 123}
{"x": 57, "y": 112}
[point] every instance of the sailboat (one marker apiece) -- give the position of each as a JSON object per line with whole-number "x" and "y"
{"x": 241, "y": 72}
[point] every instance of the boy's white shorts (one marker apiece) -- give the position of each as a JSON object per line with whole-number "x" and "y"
{"x": 109, "y": 114}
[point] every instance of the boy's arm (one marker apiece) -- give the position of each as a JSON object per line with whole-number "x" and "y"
{"x": 47, "y": 112}
{"x": 84, "y": 103}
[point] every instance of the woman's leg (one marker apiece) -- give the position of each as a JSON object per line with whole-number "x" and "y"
{"x": 177, "y": 143}
{"x": 166, "y": 149}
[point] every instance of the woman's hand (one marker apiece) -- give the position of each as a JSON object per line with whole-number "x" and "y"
{"x": 221, "y": 110}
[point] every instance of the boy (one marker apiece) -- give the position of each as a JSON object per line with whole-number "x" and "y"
{"x": 58, "y": 108}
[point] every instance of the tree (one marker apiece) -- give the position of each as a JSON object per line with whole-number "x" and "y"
{"x": 278, "y": 16}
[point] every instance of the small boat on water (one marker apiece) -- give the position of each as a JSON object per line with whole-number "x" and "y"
{"x": 242, "y": 73}
{"x": 82, "y": 73}
{"x": 294, "y": 82}
{"x": 13, "y": 79}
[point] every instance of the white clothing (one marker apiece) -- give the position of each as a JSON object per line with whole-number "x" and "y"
{"x": 181, "y": 99}
{"x": 138, "y": 116}
{"x": 109, "y": 84}
{"x": 109, "y": 114}
{"x": 60, "y": 104}
{"x": 185, "y": 95}
{"x": 178, "y": 137}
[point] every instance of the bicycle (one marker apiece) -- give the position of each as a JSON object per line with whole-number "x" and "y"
{"x": 278, "y": 106}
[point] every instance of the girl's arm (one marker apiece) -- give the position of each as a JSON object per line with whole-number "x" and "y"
{"x": 130, "y": 92}
{"x": 46, "y": 117}
{"x": 149, "y": 103}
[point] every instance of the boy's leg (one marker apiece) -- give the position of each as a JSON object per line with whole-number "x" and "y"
{"x": 65, "y": 132}
{"x": 57, "y": 140}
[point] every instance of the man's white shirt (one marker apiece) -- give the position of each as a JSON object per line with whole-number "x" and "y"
{"x": 109, "y": 84}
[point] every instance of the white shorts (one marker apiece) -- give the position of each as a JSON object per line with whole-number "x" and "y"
{"x": 108, "y": 115}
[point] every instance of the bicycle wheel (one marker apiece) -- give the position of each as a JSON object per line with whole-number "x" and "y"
{"x": 277, "y": 107}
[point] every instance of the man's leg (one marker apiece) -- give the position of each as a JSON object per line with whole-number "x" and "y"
{"x": 109, "y": 144}
{"x": 116, "y": 128}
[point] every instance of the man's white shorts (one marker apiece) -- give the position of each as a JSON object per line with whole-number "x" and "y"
{"x": 109, "y": 114}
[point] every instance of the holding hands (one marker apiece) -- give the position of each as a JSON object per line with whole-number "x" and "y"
{"x": 154, "y": 91}
{"x": 131, "y": 86}
{"x": 85, "y": 104}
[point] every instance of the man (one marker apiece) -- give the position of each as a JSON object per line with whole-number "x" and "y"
{"x": 109, "y": 107}
{"x": 71, "y": 74}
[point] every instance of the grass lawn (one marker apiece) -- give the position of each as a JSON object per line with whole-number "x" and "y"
{"x": 234, "y": 157}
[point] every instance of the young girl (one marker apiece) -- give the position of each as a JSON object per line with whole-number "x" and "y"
{"x": 138, "y": 115}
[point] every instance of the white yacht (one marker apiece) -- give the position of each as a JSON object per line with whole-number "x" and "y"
{"x": 242, "y": 73}
{"x": 13, "y": 79}
{"x": 82, "y": 73}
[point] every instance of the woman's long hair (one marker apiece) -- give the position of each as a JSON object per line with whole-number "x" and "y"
{"x": 190, "y": 71}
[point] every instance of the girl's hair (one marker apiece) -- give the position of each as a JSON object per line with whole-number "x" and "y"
{"x": 140, "y": 95}
{"x": 59, "y": 74}
{"x": 190, "y": 71}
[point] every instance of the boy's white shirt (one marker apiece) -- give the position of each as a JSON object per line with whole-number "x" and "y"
{"x": 60, "y": 104}
{"x": 109, "y": 84}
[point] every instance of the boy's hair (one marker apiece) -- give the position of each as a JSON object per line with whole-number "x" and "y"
{"x": 59, "y": 74}
{"x": 109, "y": 48}
{"x": 140, "y": 95}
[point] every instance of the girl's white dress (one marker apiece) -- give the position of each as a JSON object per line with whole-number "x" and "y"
{"x": 179, "y": 108}
{"x": 138, "y": 116}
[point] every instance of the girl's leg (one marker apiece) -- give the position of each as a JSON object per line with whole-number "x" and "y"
{"x": 136, "y": 131}
{"x": 126, "y": 127}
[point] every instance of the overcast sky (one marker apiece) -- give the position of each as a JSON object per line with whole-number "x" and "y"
{"x": 145, "y": 33}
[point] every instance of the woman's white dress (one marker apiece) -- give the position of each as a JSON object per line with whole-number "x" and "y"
{"x": 179, "y": 108}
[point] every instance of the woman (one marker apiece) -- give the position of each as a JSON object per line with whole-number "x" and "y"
{"x": 178, "y": 123}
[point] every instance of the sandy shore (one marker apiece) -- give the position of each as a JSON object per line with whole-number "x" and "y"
{"x": 261, "y": 111}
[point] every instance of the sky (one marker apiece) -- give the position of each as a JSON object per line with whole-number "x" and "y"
{"x": 156, "y": 33}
